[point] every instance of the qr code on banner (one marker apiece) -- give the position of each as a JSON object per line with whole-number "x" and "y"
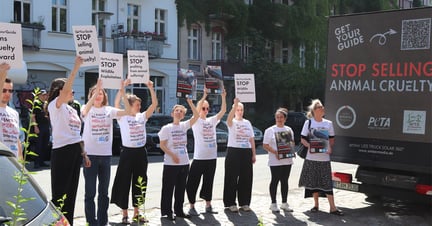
{"x": 416, "y": 34}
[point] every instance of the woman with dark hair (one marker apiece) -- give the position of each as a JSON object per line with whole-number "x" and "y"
{"x": 67, "y": 151}
{"x": 280, "y": 167}
{"x": 133, "y": 158}
{"x": 98, "y": 136}
{"x": 316, "y": 172}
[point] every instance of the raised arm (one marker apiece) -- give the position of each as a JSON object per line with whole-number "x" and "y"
{"x": 90, "y": 102}
{"x": 4, "y": 67}
{"x": 121, "y": 94}
{"x": 150, "y": 110}
{"x": 195, "y": 112}
{"x": 201, "y": 101}
{"x": 232, "y": 112}
{"x": 65, "y": 93}
{"x": 222, "y": 111}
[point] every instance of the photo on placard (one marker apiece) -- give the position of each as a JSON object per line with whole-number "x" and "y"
{"x": 213, "y": 79}
{"x": 284, "y": 143}
{"x": 186, "y": 84}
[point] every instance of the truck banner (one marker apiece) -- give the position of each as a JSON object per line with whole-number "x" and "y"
{"x": 379, "y": 88}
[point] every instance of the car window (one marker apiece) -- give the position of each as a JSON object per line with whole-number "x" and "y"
{"x": 9, "y": 189}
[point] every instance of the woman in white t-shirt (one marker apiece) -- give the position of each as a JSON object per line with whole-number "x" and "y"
{"x": 173, "y": 140}
{"x": 98, "y": 136}
{"x": 316, "y": 172}
{"x": 66, "y": 155}
{"x": 133, "y": 161}
{"x": 277, "y": 139}
{"x": 239, "y": 159}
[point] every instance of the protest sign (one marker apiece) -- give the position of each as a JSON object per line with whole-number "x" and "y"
{"x": 111, "y": 70}
{"x": 86, "y": 44}
{"x": 245, "y": 87}
{"x": 138, "y": 66}
{"x": 11, "y": 51}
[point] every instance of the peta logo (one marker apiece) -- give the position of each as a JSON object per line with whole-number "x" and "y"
{"x": 379, "y": 123}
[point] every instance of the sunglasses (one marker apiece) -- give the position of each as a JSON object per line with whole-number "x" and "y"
{"x": 205, "y": 109}
{"x": 8, "y": 90}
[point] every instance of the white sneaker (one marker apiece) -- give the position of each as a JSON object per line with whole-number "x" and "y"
{"x": 286, "y": 208}
{"x": 246, "y": 208}
{"x": 233, "y": 208}
{"x": 274, "y": 207}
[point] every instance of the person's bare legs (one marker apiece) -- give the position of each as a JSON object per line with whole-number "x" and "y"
{"x": 315, "y": 197}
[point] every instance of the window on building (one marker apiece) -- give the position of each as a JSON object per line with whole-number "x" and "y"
{"x": 160, "y": 21}
{"x": 245, "y": 48}
{"x": 133, "y": 18}
{"x": 316, "y": 55}
{"x": 22, "y": 11}
{"x": 59, "y": 15}
{"x": 216, "y": 45}
{"x": 142, "y": 92}
{"x": 285, "y": 2}
{"x": 97, "y": 6}
{"x": 194, "y": 43}
{"x": 302, "y": 56}
{"x": 285, "y": 52}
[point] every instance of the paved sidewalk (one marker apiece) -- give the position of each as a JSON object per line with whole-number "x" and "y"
{"x": 260, "y": 213}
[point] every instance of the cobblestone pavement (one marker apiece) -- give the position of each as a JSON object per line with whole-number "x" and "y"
{"x": 358, "y": 211}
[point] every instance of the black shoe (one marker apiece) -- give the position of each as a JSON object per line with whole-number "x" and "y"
{"x": 183, "y": 215}
{"x": 169, "y": 217}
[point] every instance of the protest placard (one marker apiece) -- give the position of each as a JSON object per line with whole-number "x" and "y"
{"x": 245, "y": 87}
{"x": 138, "y": 66}
{"x": 111, "y": 70}
{"x": 213, "y": 79}
{"x": 86, "y": 44}
{"x": 11, "y": 51}
{"x": 186, "y": 84}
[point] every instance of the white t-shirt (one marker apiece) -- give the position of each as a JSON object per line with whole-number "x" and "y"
{"x": 239, "y": 134}
{"x": 270, "y": 139}
{"x": 65, "y": 124}
{"x": 133, "y": 130}
{"x": 176, "y": 135}
{"x": 318, "y": 139}
{"x": 9, "y": 128}
{"x": 204, "y": 131}
{"x": 98, "y": 130}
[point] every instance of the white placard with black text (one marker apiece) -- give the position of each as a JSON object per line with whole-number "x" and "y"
{"x": 11, "y": 51}
{"x": 138, "y": 66}
{"x": 111, "y": 70}
{"x": 245, "y": 87}
{"x": 86, "y": 44}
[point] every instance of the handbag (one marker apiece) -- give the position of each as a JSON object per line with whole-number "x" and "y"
{"x": 301, "y": 150}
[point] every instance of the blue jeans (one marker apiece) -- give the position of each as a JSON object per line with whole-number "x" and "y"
{"x": 100, "y": 169}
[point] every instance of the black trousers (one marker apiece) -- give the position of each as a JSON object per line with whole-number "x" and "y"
{"x": 279, "y": 174}
{"x": 206, "y": 169}
{"x": 238, "y": 176}
{"x": 65, "y": 172}
{"x": 174, "y": 177}
{"x": 133, "y": 163}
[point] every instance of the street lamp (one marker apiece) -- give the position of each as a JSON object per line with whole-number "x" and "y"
{"x": 102, "y": 15}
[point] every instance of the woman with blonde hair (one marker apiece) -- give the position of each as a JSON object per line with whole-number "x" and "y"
{"x": 316, "y": 172}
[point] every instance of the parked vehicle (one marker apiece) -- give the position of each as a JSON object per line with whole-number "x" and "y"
{"x": 38, "y": 211}
{"x": 378, "y": 95}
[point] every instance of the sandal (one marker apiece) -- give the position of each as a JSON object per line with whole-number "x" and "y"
{"x": 337, "y": 212}
{"x": 125, "y": 220}
{"x": 140, "y": 219}
{"x": 314, "y": 209}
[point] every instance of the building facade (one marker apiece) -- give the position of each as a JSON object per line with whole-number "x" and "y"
{"x": 49, "y": 49}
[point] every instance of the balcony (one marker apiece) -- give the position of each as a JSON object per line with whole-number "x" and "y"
{"x": 31, "y": 35}
{"x": 126, "y": 41}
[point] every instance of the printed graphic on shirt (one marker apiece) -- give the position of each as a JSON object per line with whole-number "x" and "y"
{"x": 242, "y": 135}
{"x": 74, "y": 121}
{"x": 208, "y": 135}
{"x": 10, "y": 130}
{"x": 284, "y": 143}
{"x": 137, "y": 132}
{"x": 100, "y": 127}
{"x": 318, "y": 139}
{"x": 179, "y": 141}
